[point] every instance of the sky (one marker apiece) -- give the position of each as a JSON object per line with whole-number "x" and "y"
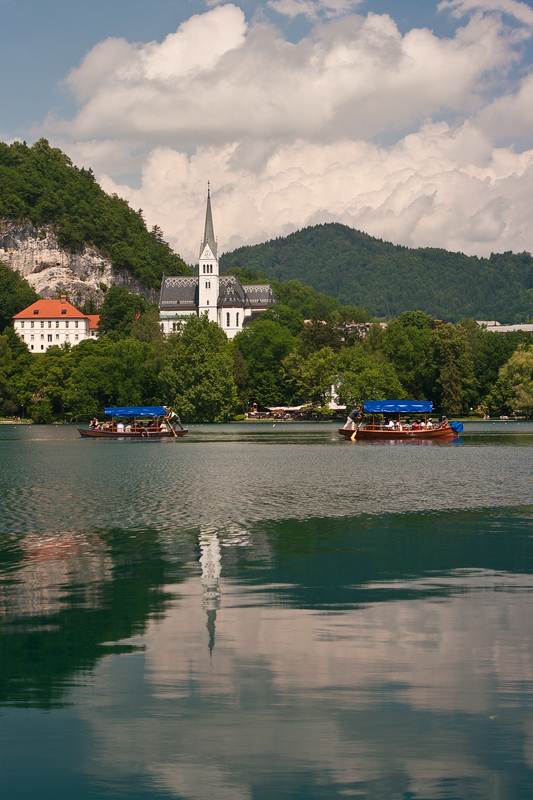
{"x": 410, "y": 121}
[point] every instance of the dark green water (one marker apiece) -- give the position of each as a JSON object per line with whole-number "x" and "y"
{"x": 266, "y": 612}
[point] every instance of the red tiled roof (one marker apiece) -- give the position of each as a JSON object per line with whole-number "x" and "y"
{"x": 93, "y": 320}
{"x": 50, "y": 308}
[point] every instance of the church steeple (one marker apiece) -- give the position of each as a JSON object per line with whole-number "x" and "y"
{"x": 209, "y": 233}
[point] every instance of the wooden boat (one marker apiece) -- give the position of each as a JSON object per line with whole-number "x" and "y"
{"x": 379, "y": 430}
{"x": 161, "y": 425}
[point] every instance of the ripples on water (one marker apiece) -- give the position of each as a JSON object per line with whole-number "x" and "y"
{"x": 261, "y": 612}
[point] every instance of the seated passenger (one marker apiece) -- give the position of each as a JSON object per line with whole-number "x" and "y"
{"x": 127, "y": 429}
{"x": 120, "y": 427}
{"x": 416, "y": 425}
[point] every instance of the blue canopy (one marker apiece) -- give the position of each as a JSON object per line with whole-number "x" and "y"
{"x": 398, "y": 406}
{"x": 136, "y": 411}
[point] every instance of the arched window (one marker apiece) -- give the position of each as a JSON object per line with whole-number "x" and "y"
{"x": 227, "y": 319}
{"x": 237, "y": 319}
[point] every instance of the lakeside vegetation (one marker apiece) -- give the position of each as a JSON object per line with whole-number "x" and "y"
{"x": 276, "y": 360}
{"x": 388, "y": 279}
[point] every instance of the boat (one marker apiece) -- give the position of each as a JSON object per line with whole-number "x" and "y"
{"x": 161, "y": 424}
{"x": 397, "y": 430}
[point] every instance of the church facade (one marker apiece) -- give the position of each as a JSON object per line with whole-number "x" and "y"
{"x": 223, "y": 298}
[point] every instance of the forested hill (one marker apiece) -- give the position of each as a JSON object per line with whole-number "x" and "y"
{"x": 41, "y": 184}
{"x": 388, "y": 279}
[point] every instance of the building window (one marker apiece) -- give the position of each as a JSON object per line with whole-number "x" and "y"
{"x": 32, "y": 337}
{"x": 207, "y": 303}
{"x": 22, "y": 324}
{"x": 66, "y": 336}
{"x": 227, "y": 319}
{"x": 32, "y": 347}
{"x": 32, "y": 324}
{"x": 42, "y": 347}
{"x": 49, "y": 323}
{"x": 75, "y": 335}
{"x": 66, "y": 323}
{"x": 42, "y": 335}
{"x": 203, "y": 269}
{"x": 76, "y": 324}
{"x": 36, "y": 311}
{"x": 49, "y": 337}
{"x": 42, "y": 323}
{"x": 57, "y": 323}
{"x": 57, "y": 336}
{"x": 208, "y": 284}
{"x": 63, "y": 310}
{"x": 237, "y": 319}
{"x": 22, "y": 337}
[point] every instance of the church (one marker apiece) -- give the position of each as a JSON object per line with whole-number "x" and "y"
{"x": 223, "y": 298}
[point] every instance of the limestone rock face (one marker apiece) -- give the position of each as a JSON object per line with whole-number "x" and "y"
{"x": 52, "y": 270}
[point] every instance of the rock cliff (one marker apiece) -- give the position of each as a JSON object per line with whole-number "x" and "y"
{"x": 52, "y": 270}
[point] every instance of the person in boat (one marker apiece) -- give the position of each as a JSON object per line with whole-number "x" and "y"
{"x": 390, "y": 424}
{"x": 120, "y": 427}
{"x": 163, "y": 427}
{"x": 416, "y": 425}
{"x": 127, "y": 429}
{"x": 93, "y": 424}
{"x": 353, "y": 418}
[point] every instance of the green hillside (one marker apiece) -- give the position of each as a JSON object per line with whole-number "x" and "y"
{"x": 41, "y": 184}
{"x": 388, "y": 279}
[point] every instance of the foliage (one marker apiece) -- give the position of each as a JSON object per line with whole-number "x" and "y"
{"x": 316, "y": 335}
{"x": 455, "y": 386}
{"x": 366, "y": 377}
{"x": 515, "y": 383}
{"x": 119, "y": 311}
{"x": 40, "y": 184}
{"x": 15, "y": 295}
{"x": 264, "y": 344}
{"x": 388, "y": 279}
{"x": 311, "y": 377}
{"x": 198, "y": 373}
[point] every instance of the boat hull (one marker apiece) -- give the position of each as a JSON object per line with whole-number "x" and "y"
{"x": 88, "y": 433}
{"x": 385, "y": 435}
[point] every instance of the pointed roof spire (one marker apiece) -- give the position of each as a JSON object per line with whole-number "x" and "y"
{"x": 209, "y": 233}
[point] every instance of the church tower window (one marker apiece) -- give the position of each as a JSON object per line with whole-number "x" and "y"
{"x": 237, "y": 319}
{"x": 227, "y": 319}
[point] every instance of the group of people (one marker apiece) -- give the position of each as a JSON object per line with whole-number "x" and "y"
{"x": 154, "y": 427}
{"x": 355, "y": 418}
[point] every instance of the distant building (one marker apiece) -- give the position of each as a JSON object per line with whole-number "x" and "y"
{"x": 495, "y": 327}
{"x": 48, "y": 323}
{"x": 223, "y": 298}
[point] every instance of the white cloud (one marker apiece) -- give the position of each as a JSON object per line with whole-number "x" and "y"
{"x": 314, "y": 9}
{"x": 285, "y": 130}
{"x": 436, "y": 188}
{"x": 521, "y": 11}
{"x": 217, "y": 81}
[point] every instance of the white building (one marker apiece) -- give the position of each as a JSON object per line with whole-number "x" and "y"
{"x": 223, "y": 298}
{"x": 48, "y": 323}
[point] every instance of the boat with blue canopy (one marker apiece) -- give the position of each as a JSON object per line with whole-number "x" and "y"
{"x": 136, "y": 422}
{"x": 391, "y": 419}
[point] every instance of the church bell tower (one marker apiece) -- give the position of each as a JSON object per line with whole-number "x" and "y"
{"x": 208, "y": 277}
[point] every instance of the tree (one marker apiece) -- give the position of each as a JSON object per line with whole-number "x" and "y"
{"x": 455, "y": 386}
{"x": 198, "y": 373}
{"x": 515, "y": 382}
{"x": 311, "y": 378}
{"x": 264, "y": 344}
{"x": 240, "y": 376}
{"x": 366, "y": 377}
{"x": 15, "y": 295}
{"x": 317, "y": 334}
{"x": 119, "y": 311}
{"x": 408, "y": 345}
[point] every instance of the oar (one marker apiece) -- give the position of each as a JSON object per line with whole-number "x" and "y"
{"x": 354, "y": 434}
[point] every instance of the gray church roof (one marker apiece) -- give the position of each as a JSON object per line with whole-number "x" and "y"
{"x": 231, "y": 292}
{"x": 209, "y": 231}
{"x": 259, "y": 294}
{"x": 178, "y": 292}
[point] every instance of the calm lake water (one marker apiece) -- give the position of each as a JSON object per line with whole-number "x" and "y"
{"x": 261, "y": 612}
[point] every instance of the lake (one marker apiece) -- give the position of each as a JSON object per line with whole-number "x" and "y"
{"x": 265, "y": 611}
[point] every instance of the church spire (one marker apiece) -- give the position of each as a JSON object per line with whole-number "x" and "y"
{"x": 209, "y": 233}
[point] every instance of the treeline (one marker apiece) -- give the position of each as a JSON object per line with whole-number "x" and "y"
{"x": 40, "y": 184}
{"x": 389, "y": 279}
{"x": 277, "y": 360}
